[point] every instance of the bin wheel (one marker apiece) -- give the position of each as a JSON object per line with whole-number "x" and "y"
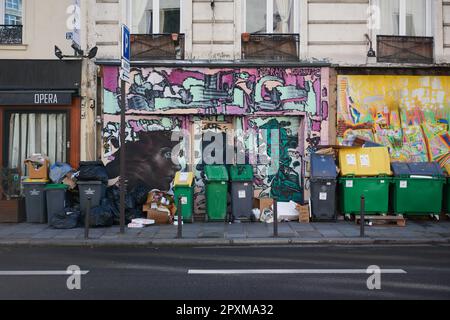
{"x": 348, "y": 217}
{"x": 436, "y": 217}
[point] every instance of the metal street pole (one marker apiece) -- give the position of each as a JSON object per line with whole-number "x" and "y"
{"x": 122, "y": 157}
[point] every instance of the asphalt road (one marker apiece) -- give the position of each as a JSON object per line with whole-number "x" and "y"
{"x": 163, "y": 273}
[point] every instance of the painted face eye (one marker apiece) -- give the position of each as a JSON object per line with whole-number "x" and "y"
{"x": 166, "y": 153}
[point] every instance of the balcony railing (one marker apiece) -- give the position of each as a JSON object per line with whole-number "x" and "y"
{"x": 405, "y": 49}
{"x": 270, "y": 46}
{"x": 11, "y": 34}
{"x": 163, "y": 46}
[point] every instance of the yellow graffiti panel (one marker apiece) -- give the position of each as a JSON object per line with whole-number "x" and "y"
{"x": 408, "y": 114}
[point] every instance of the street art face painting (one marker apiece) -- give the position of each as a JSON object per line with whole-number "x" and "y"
{"x": 160, "y": 100}
{"x": 149, "y": 150}
{"x": 409, "y": 114}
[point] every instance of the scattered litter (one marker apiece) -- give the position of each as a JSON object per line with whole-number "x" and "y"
{"x": 256, "y": 213}
{"x": 133, "y": 225}
{"x": 145, "y": 222}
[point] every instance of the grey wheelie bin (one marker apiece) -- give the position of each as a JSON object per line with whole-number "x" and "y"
{"x": 241, "y": 177}
{"x": 95, "y": 190}
{"x": 323, "y": 188}
{"x": 56, "y": 199}
{"x": 35, "y": 202}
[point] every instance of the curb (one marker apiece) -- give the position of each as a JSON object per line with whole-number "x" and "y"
{"x": 219, "y": 242}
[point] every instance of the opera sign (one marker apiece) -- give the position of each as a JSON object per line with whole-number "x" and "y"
{"x": 46, "y": 98}
{"x": 36, "y": 98}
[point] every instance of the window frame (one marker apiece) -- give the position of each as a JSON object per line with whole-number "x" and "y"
{"x": 429, "y": 9}
{"x": 16, "y": 2}
{"x": 156, "y": 11}
{"x": 269, "y": 16}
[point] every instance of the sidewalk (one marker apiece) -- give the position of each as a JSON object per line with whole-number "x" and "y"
{"x": 220, "y": 233}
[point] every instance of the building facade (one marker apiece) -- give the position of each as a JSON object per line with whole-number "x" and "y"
{"x": 40, "y": 96}
{"x": 321, "y": 72}
{"x": 317, "y": 72}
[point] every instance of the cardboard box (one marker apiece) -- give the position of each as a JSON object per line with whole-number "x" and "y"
{"x": 262, "y": 203}
{"x": 37, "y": 173}
{"x": 12, "y": 211}
{"x": 303, "y": 213}
{"x": 160, "y": 217}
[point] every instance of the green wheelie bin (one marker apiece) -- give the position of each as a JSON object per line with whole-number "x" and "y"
{"x": 374, "y": 189}
{"x": 447, "y": 196}
{"x": 184, "y": 189}
{"x": 418, "y": 188}
{"x": 216, "y": 192}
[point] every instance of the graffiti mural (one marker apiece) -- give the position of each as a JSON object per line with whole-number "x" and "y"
{"x": 281, "y": 180}
{"x": 409, "y": 114}
{"x": 294, "y": 101}
{"x": 218, "y": 91}
{"x": 149, "y": 150}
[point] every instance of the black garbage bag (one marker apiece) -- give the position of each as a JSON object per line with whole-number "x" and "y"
{"x": 102, "y": 215}
{"x": 69, "y": 218}
{"x": 92, "y": 171}
{"x": 133, "y": 210}
{"x": 140, "y": 193}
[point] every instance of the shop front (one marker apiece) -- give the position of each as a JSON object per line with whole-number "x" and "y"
{"x": 39, "y": 114}
{"x": 226, "y": 115}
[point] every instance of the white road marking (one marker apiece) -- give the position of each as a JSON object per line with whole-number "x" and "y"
{"x": 42, "y": 273}
{"x": 292, "y": 271}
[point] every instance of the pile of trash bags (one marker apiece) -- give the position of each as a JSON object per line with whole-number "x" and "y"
{"x": 107, "y": 213}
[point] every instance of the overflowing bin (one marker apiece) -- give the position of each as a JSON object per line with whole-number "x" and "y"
{"x": 365, "y": 172}
{"x": 91, "y": 189}
{"x": 216, "y": 192}
{"x": 417, "y": 188}
{"x": 35, "y": 201}
{"x": 184, "y": 189}
{"x": 241, "y": 177}
{"x": 323, "y": 188}
{"x": 56, "y": 199}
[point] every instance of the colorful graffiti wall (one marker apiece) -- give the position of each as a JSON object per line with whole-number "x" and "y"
{"x": 409, "y": 114}
{"x": 162, "y": 100}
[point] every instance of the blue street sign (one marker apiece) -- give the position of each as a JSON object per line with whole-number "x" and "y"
{"x": 125, "y": 43}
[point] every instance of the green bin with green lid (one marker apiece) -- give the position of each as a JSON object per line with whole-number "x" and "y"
{"x": 417, "y": 188}
{"x": 184, "y": 190}
{"x": 216, "y": 192}
{"x": 447, "y": 196}
{"x": 56, "y": 199}
{"x": 241, "y": 177}
{"x": 374, "y": 189}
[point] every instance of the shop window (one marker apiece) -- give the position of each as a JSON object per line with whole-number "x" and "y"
{"x": 156, "y": 16}
{"x": 271, "y": 16}
{"x": 29, "y": 133}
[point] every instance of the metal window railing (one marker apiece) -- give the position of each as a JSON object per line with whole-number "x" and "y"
{"x": 11, "y": 34}
{"x": 405, "y": 49}
{"x": 161, "y": 46}
{"x": 271, "y": 46}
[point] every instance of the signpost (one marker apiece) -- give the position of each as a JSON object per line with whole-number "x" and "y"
{"x": 76, "y": 33}
{"x": 124, "y": 77}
